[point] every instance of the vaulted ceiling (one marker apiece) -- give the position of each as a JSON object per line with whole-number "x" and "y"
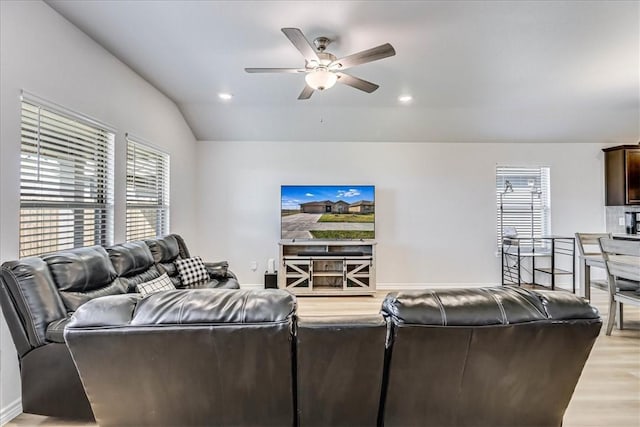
{"x": 504, "y": 71}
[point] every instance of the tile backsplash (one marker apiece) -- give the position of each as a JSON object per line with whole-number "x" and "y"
{"x": 614, "y": 213}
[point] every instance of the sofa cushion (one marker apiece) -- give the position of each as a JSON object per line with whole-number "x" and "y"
{"x": 82, "y": 274}
{"x": 169, "y": 268}
{"x": 81, "y": 269}
{"x": 191, "y": 270}
{"x": 130, "y": 258}
{"x": 162, "y": 283}
{"x": 73, "y": 300}
{"x": 165, "y": 249}
{"x": 134, "y": 264}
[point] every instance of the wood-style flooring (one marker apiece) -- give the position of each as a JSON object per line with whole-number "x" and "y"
{"x": 608, "y": 393}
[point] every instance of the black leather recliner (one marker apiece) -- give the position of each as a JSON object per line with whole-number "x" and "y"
{"x": 39, "y": 294}
{"x": 484, "y": 357}
{"x": 201, "y": 357}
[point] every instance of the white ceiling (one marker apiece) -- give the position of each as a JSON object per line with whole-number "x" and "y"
{"x": 478, "y": 71}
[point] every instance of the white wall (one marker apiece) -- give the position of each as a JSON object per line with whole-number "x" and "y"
{"x": 44, "y": 54}
{"x": 435, "y": 202}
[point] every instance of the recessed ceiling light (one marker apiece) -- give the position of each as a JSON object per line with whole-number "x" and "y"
{"x": 405, "y": 98}
{"x": 225, "y": 96}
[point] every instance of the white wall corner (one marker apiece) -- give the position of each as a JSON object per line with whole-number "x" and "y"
{"x": 10, "y": 411}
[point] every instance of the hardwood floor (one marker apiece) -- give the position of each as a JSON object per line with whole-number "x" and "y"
{"x": 608, "y": 393}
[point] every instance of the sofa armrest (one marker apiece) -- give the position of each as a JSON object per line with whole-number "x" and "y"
{"x": 566, "y": 306}
{"x": 219, "y": 270}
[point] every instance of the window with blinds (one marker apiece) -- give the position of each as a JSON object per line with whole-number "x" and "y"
{"x": 66, "y": 180}
{"x": 523, "y": 201}
{"x": 147, "y": 191}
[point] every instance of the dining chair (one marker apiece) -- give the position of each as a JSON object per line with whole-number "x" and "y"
{"x": 622, "y": 262}
{"x": 591, "y": 256}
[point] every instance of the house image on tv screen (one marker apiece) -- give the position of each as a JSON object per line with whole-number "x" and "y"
{"x": 328, "y": 212}
{"x": 327, "y": 206}
{"x": 363, "y": 206}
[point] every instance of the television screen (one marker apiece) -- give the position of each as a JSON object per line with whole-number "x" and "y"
{"x": 327, "y": 212}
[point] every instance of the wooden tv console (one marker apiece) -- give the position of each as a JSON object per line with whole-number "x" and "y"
{"x": 322, "y": 267}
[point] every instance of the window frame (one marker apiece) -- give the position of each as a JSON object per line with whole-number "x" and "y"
{"x": 66, "y": 182}
{"x": 139, "y": 201}
{"x": 528, "y": 200}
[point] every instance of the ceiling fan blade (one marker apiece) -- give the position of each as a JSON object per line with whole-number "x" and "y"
{"x": 275, "y": 70}
{"x": 356, "y": 82}
{"x": 301, "y": 43}
{"x": 306, "y": 93}
{"x": 369, "y": 55}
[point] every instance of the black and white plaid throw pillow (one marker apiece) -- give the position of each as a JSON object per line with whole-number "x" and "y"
{"x": 191, "y": 270}
{"x": 162, "y": 283}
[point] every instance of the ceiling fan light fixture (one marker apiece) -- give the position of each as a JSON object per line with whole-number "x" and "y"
{"x": 320, "y": 79}
{"x": 323, "y": 69}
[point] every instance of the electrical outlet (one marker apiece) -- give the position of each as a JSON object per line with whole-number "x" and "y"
{"x": 254, "y": 265}
{"x": 621, "y": 221}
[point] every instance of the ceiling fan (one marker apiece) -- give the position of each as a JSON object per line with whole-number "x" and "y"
{"x": 323, "y": 69}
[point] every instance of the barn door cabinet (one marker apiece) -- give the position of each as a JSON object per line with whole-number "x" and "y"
{"x": 622, "y": 175}
{"x": 327, "y": 268}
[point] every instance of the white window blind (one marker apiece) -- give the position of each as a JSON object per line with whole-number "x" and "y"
{"x": 523, "y": 201}
{"x": 66, "y": 180}
{"x": 147, "y": 191}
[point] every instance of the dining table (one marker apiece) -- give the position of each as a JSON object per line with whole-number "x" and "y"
{"x": 595, "y": 260}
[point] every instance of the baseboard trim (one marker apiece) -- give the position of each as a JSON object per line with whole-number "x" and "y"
{"x": 402, "y": 286}
{"x": 252, "y": 286}
{"x": 10, "y": 411}
{"x": 421, "y": 286}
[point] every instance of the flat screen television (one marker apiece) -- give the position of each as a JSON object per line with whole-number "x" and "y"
{"x": 327, "y": 212}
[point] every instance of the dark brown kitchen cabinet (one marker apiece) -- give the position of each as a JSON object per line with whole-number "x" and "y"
{"x": 622, "y": 175}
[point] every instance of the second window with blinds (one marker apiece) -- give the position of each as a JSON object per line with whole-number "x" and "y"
{"x": 523, "y": 197}
{"x": 147, "y": 190}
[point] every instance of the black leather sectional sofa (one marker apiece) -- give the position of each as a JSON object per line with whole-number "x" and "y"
{"x": 38, "y": 295}
{"x": 467, "y": 357}
{"x": 229, "y": 357}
